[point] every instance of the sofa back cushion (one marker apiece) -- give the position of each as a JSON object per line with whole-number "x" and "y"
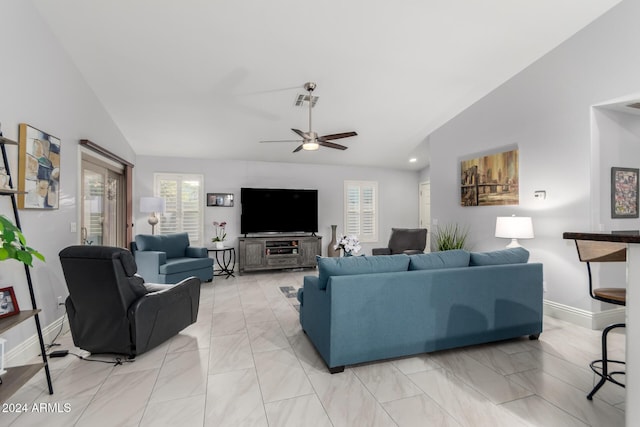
{"x": 174, "y": 245}
{"x": 503, "y": 256}
{"x": 443, "y": 259}
{"x": 346, "y": 266}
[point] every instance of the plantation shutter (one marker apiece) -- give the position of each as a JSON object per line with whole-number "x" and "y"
{"x": 184, "y": 200}
{"x": 361, "y": 210}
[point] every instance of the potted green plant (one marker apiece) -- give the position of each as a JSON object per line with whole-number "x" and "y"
{"x": 14, "y": 245}
{"x": 450, "y": 236}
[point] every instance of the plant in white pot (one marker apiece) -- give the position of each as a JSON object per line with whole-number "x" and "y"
{"x": 14, "y": 245}
{"x": 221, "y": 234}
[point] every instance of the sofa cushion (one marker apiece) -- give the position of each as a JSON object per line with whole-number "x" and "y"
{"x": 178, "y": 265}
{"x": 503, "y": 256}
{"x": 174, "y": 245}
{"x": 346, "y": 266}
{"x": 443, "y": 259}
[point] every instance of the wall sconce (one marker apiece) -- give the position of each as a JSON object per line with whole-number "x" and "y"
{"x": 514, "y": 228}
{"x": 152, "y": 205}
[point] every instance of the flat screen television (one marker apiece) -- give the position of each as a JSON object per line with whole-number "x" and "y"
{"x": 278, "y": 210}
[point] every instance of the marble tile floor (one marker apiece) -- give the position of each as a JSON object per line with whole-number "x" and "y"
{"x": 246, "y": 362}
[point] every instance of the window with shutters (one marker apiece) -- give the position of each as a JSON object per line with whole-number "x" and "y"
{"x": 184, "y": 199}
{"x": 361, "y": 210}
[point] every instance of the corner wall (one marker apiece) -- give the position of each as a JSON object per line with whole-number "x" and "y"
{"x": 40, "y": 86}
{"x": 545, "y": 110}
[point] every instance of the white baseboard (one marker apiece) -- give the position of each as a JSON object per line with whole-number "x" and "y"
{"x": 29, "y": 349}
{"x": 584, "y": 318}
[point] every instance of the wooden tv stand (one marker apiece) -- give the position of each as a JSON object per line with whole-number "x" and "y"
{"x": 278, "y": 252}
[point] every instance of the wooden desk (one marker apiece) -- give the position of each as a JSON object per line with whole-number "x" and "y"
{"x": 632, "y": 413}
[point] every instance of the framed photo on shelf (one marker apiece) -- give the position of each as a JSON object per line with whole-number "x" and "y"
{"x": 220, "y": 199}
{"x": 38, "y": 169}
{"x": 624, "y": 192}
{"x": 8, "y": 302}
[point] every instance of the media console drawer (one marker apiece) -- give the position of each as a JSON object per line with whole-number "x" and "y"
{"x": 283, "y": 261}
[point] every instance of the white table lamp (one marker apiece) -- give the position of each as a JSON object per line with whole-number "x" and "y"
{"x": 152, "y": 205}
{"x": 514, "y": 228}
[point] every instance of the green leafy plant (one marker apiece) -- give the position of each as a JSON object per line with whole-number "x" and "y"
{"x": 451, "y": 236}
{"x": 14, "y": 244}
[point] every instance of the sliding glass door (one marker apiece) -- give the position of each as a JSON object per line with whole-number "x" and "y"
{"x": 103, "y": 203}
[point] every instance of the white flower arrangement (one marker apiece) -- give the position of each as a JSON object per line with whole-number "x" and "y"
{"x": 349, "y": 244}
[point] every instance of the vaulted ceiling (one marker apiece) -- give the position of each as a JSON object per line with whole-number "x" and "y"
{"x": 211, "y": 78}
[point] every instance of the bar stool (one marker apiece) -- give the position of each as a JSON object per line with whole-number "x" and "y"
{"x": 593, "y": 251}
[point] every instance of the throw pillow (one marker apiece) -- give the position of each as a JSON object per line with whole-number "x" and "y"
{"x": 346, "y": 266}
{"x": 503, "y": 256}
{"x": 443, "y": 259}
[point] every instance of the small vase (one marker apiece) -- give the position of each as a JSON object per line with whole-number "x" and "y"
{"x": 330, "y": 249}
{"x": 219, "y": 245}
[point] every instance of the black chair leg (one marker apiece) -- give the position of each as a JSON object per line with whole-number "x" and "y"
{"x": 605, "y": 375}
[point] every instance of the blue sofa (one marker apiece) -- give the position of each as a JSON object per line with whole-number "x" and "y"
{"x": 168, "y": 258}
{"x": 361, "y": 309}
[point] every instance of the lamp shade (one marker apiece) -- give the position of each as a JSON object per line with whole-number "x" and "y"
{"x": 514, "y": 227}
{"x": 152, "y": 204}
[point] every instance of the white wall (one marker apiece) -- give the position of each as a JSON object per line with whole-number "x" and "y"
{"x": 40, "y": 86}
{"x": 398, "y": 190}
{"x": 618, "y": 135}
{"x": 546, "y": 111}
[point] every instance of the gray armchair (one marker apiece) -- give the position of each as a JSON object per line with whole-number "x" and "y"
{"x": 112, "y": 310}
{"x": 404, "y": 241}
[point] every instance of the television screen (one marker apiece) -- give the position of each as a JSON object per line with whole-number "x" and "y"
{"x": 278, "y": 210}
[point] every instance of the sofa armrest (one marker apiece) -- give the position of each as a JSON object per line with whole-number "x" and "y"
{"x": 315, "y": 314}
{"x": 148, "y": 263}
{"x": 163, "y": 313}
{"x": 381, "y": 251}
{"x": 196, "y": 252}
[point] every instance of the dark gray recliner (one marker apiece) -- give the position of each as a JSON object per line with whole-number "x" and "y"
{"x": 404, "y": 241}
{"x": 112, "y": 310}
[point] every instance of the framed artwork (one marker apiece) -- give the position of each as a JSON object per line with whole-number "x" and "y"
{"x": 8, "y": 302}
{"x": 624, "y": 192}
{"x": 490, "y": 180}
{"x": 220, "y": 199}
{"x": 38, "y": 169}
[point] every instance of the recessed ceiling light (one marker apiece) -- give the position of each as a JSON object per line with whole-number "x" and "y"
{"x": 413, "y": 160}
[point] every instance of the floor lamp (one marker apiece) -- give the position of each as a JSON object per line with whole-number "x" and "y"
{"x": 152, "y": 205}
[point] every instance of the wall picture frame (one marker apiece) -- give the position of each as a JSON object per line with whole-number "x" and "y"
{"x": 220, "y": 199}
{"x": 490, "y": 180}
{"x": 8, "y": 302}
{"x": 624, "y": 192}
{"x": 38, "y": 169}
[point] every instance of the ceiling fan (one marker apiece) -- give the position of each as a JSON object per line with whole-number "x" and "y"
{"x": 310, "y": 140}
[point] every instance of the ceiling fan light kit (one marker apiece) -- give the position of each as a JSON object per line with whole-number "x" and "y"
{"x": 310, "y": 140}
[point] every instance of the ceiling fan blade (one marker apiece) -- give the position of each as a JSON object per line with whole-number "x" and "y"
{"x": 298, "y": 148}
{"x": 336, "y": 136}
{"x": 302, "y": 134}
{"x": 282, "y": 140}
{"x": 332, "y": 145}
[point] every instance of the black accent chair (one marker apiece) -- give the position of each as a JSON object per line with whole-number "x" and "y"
{"x": 594, "y": 251}
{"x": 112, "y": 310}
{"x": 404, "y": 241}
